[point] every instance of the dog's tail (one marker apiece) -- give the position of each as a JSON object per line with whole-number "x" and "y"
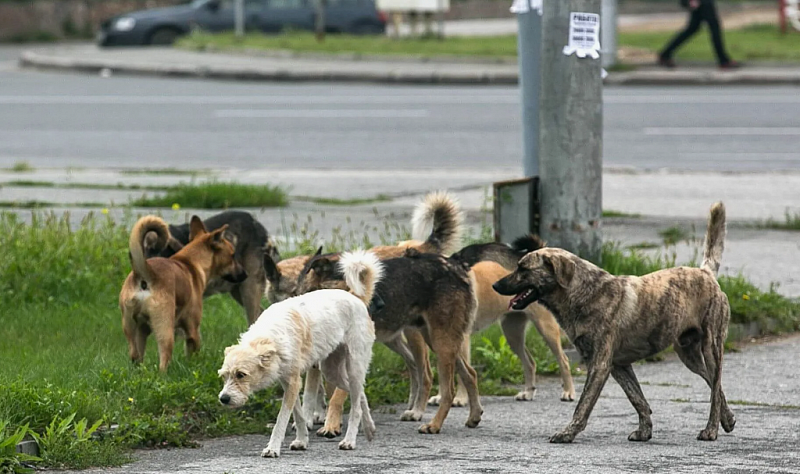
{"x": 715, "y": 238}
{"x": 156, "y": 231}
{"x": 528, "y": 243}
{"x": 438, "y": 221}
{"x": 362, "y": 270}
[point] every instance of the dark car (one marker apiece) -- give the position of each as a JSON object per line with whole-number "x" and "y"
{"x": 164, "y": 25}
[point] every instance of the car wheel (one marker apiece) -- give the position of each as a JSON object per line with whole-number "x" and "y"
{"x": 163, "y": 36}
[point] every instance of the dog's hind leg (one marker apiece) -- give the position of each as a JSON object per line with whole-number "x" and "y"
{"x": 133, "y": 333}
{"x": 311, "y": 395}
{"x": 400, "y": 347}
{"x": 626, "y": 379}
{"x": 548, "y": 327}
{"x": 251, "y": 290}
{"x": 462, "y": 396}
{"x": 599, "y": 363}
{"x": 447, "y": 350}
{"x": 513, "y": 325}
{"x": 424, "y": 375}
{"x": 469, "y": 380}
{"x": 291, "y": 391}
{"x": 356, "y": 363}
{"x": 164, "y": 331}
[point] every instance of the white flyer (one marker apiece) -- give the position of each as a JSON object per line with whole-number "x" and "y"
{"x": 584, "y": 35}
{"x": 524, "y": 6}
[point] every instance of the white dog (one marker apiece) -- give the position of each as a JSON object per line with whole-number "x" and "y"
{"x": 328, "y": 327}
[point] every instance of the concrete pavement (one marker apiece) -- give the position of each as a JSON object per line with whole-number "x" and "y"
{"x": 282, "y": 66}
{"x": 760, "y": 382}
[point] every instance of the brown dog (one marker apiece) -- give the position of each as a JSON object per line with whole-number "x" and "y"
{"x": 615, "y": 321}
{"x": 161, "y": 295}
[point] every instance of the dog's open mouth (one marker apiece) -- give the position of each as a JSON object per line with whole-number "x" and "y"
{"x": 522, "y": 300}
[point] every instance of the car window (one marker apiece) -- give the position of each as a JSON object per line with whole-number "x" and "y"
{"x": 288, "y": 4}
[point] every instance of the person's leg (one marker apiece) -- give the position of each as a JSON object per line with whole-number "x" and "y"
{"x": 709, "y": 13}
{"x": 695, "y": 19}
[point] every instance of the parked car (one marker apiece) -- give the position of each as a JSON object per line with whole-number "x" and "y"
{"x": 161, "y": 26}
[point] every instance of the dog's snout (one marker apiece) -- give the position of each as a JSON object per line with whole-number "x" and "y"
{"x": 225, "y": 399}
{"x": 496, "y": 286}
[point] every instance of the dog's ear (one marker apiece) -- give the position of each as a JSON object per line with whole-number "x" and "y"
{"x": 265, "y": 349}
{"x": 228, "y": 349}
{"x": 196, "y": 228}
{"x": 321, "y": 266}
{"x": 412, "y": 252}
{"x": 563, "y": 268}
{"x": 319, "y": 252}
{"x": 271, "y": 269}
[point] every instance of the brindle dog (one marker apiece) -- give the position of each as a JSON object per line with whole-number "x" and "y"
{"x": 615, "y": 321}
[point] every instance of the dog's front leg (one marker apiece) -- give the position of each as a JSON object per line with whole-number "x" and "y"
{"x": 626, "y": 379}
{"x": 599, "y": 370}
{"x": 291, "y": 390}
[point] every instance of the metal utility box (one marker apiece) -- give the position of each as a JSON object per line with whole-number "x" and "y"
{"x": 516, "y": 208}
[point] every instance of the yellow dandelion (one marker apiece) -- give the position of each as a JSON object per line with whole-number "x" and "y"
{"x": 104, "y": 210}
{"x": 176, "y": 206}
{"x": 130, "y": 399}
{"x": 745, "y": 297}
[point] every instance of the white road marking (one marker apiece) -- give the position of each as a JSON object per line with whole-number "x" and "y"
{"x": 722, "y": 131}
{"x": 701, "y": 99}
{"x": 322, "y": 113}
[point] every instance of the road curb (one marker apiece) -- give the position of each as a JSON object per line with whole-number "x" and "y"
{"x": 33, "y": 60}
{"x": 481, "y": 76}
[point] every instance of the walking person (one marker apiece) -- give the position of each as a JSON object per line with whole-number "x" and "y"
{"x": 699, "y": 11}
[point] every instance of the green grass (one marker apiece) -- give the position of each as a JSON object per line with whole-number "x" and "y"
{"x": 791, "y": 222}
{"x": 99, "y": 187}
{"x": 21, "y": 167}
{"x": 673, "y": 235}
{"x": 342, "y": 202}
{"x": 612, "y": 213}
{"x": 757, "y": 42}
{"x": 494, "y": 47}
{"x": 34, "y": 204}
{"x": 217, "y": 195}
{"x": 166, "y": 171}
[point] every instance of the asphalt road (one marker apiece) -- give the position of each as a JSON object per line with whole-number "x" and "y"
{"x": 761, "y": 383}
{"x": 63, "y": 120}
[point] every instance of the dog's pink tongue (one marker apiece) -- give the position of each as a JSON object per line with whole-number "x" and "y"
{"x": 514, "y": 300}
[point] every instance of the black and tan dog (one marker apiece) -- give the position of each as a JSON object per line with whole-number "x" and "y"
{"x": 615, "y": 321}
{"x": 491, "y": 262}
{"x": 161, "y": 295}
{"x": 251, "y": 241}
{"x": 429, "y": 294}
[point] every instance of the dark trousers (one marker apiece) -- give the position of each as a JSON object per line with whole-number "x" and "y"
{"x": 706, "y": 12}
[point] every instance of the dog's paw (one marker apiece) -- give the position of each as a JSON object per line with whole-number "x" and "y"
{"x": 472, "y": 422}
{"x": 525, "y": 395}
{"x": 568, "y": 396}
{"x": 640, "y": 435}
{"x": 435, "y": 400}
{"x": 329, "y": 433}
{"x": 318, "y": 419}
{"x": 347, "y": 445}
{"x": 410, "y": 415}
{"x": 460, "y": 402}
{"x": 270, "y": 453}
{"x": 563, "y": 437}
{"x": 707, "y": 435}
{"x": 429, "y": 428}
{"x": 728, "y": 422}
{"x": 369, "y": 431}
{"x": 298, "y": 445}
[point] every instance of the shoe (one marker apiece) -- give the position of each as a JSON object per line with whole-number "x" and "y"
{"x": 730, "y": 65}
{"x": 668, "y": 63}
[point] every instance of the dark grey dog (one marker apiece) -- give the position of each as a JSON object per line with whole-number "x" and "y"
{"x": 616, "y": 321}
{"x": 251, "y": 241}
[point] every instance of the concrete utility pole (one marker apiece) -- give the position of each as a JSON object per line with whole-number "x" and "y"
{"x": 608, "y": 33}
{"x": 529, "y": 51}
{"x": 238, "y": 17}
{"x": 571, "y": 117}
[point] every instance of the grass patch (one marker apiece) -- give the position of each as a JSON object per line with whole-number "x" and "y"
{"x": 756, "y": 42}
{"x": 166, "y": 171}
{"x": 34, "y": 204}
{"x": 644, "y": 246}
{"x": 791, "y": 221}
{"x": 21, "y": 167}
{"x": 673, "y": 235}
{"x": 100, "y": 187}
{"x": 217, "y": 195}
{"x": 760, "y": 404}
{"x": 342, "y": 202}
{"x": 491, "y": 46}
{"x": 612, "y": 213}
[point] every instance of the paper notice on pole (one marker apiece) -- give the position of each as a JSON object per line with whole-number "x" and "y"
{"x": 584, "y": 35}
{"x": 524, "y": 6}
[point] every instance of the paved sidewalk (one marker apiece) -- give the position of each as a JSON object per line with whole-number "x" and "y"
{"x": 295, "y": 67}
{"x": 761, "y": 383}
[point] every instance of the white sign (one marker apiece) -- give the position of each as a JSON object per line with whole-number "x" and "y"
{"x": 524, "y": 6}
{"x": 584, "y": 35}
{"x": 413, "y": 5}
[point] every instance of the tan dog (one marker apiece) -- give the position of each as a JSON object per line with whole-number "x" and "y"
{"x": 615, "y": 321}
{"x": 161, "y": 295}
